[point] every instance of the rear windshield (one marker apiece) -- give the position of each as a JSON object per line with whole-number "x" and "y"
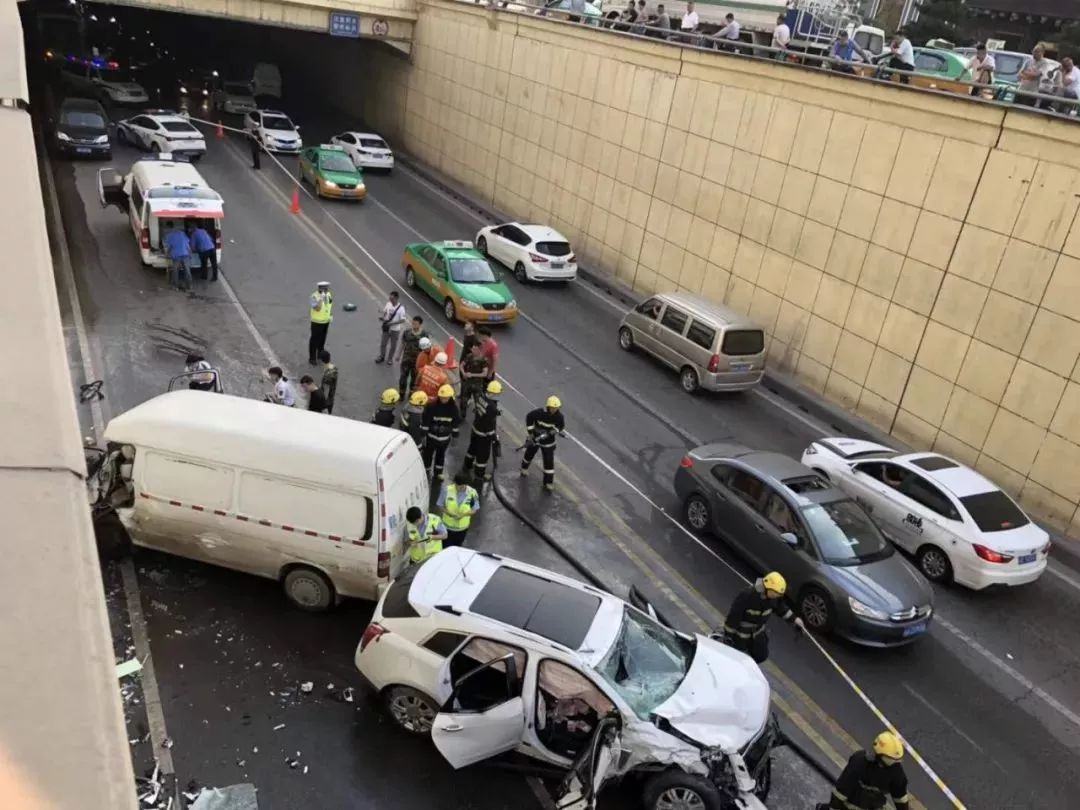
{"x": 178, "y": 126}
{"x": 553, "y": 248}
{"x": 373, "y": 143}
{"x": 1007, "y": 65}
{"x": 276, "y": 122}
{"x": 78, "y": 118}
{"x": 994, "y": 511}
{"x": 743, "y": 341}
{"x": 183, "y": 192}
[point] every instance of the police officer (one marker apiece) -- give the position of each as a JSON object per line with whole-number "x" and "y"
{"x": 440, "y": 419}
{"x": 256, "y": 149}
{"x": 744, "y": 628}
{"x": 871, "y": 775}
{"x": 459, "y": 503}
{"x": 384, "y": 414}
{"x": 483, "y": 431}
{"x": 425, "y": 537}
{"x": 412, "y": 418}
{"x": 542, "y": 424}
{"x": 322, "y": 312}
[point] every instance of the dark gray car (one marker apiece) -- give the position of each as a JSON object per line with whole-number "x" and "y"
{"x": 843, "y": 575}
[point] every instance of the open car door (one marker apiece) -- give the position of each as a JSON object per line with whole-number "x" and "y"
{"x": 591, "y": 769}
{"x": 111, "y": 189}
{"x": 183, "y": 380}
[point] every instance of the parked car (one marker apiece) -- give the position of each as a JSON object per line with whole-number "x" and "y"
{"x": 534, "y": 252}
{"x": 367, "y": 150}
{"x": 81, "y": 129}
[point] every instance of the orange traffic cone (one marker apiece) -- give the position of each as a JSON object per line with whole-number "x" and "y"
{"x": 450, "y": 361}
{"x": 295, "y": 207}
{"x": 220, "y": 131}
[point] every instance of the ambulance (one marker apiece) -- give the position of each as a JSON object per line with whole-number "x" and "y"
{"x": 160, "y": 193}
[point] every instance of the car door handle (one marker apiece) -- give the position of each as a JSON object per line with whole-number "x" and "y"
{"x": 454, "y": 727}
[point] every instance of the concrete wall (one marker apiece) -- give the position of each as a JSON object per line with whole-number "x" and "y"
{"x": 915, "y": 257}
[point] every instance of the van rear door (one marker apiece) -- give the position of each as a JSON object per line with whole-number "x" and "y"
{"x": 403, "y": 483}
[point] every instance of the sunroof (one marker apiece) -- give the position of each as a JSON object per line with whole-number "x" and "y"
{"x": 932, "y": 463}
{"x": 549, "y": 609}
{"x": 807, "y": 483}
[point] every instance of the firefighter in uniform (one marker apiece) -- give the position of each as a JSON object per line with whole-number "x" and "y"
{"x": 412, "y": 418}
{"x": 542, "y": 425}
{"x": 483, "y": 431}
{"x": 322, "y": 313}
{"x": 425, "y": 536}
{"x": 440, "y": 418}
{"x": 870, "y": 776}
{"x": 744, "y": 628}
{"x": 459, "y": 502}
{"x": 384, "y": 415}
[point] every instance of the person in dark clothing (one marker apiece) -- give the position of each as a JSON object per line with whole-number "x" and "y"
{"x": 483, "y": 431}
{"x": 384, "y": 415}
{"x": 412, "y": 418}
{"x": 410, "y": 350}
{"x": 328, "y": 383}
{"x": 256, "y": 150}
{"x": 542, "y": 425}
{"x": 470, "y": 338}
{"x": 744, "y": 627}
{"x": 474, "y": 375}
{"x": 316, "y": 400}
{"x": 871, "y": 776}
{"x": 440, "y": 418}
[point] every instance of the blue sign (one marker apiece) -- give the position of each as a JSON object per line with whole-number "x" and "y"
{"x": 343, "y": 24}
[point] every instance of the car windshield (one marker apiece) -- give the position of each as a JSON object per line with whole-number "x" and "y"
{"x": 277, "y": 122}
{"x": 373, "y": 143}
{"x": 178, "y": 126}
{"x": 994, "y": 511}
{"x": 336, "y": 163}
{"x": 238, "y": 89}
{"x": 79, "y": 118}
{"x": 115, "y": 75}
{"x": 647, "y": 662}
{"x": 844, "y": 534}
{"x": 1007, "y": 65}
{"x": 472, "y": 271}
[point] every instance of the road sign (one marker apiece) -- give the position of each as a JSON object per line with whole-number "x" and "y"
{"x": 343, "y": 24}
{"x": 380, "y": 28}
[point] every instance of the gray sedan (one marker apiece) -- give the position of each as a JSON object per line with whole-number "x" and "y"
{"x": 843, "y": 575}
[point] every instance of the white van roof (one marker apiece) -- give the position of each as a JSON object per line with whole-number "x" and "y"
{"x": 289, "y": 442}
{"x": 156, "y": 173}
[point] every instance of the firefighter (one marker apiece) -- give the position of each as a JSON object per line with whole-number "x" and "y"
{"x": 744, "y": 628}
{"x": 870, "y": 776}
{"x": 412, "y": 418}
{"x": 542, "y": 425}
{"x": 483, "y": 431}
{"x": 425, "y": 536}
{"x": 433, "y": 376}
{"x": 384, "y": 414}
{"x": 440, "y": 419}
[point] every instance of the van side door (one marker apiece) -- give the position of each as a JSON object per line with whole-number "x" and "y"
{"x": 670, "y": 340}
{"x": 644, "y": 321}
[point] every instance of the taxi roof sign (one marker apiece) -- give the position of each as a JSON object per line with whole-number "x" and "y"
{"x": 457, "y": 243}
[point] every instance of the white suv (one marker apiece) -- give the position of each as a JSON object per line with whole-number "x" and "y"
{"x": 519, "y": 658}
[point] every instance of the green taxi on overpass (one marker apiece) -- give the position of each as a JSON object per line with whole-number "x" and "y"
{"x": 456, "y": 275}
{"x": 332, "y": 173}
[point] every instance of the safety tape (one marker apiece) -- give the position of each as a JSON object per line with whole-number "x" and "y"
{"x": 258, "y": 521}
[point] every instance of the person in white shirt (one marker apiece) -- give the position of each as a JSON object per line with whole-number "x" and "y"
{"x": 982, "y": 67}
{"x": 1069, "y": 79}
{"x": 781, "y": 36}
{"x": 729, "y": 34}
{"x": 903, "y": 57}
{"x": 284, "y": 393}
{"x": 689, "y": 22}
{"x": 393, "y": 322}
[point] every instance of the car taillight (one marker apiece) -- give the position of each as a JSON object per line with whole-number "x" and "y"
{"x": 537, "y": 258}
{"x": 373, "y": 632}
{"x": 990, "y": 555}
{"x": 144, "y": 239}
{"x": 383, "y": 564}
{"x": 686, "y": 463}
{"x": 714, "y": 363}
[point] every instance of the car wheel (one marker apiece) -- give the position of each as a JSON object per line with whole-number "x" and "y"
{"x": 520, "y": 274}
{"x": 448, "y": 310}
{"x": 816, "y": 609}
{"x": 934, "y": 563}
{"x": 698, "y": 514}
{"x": 412, "y": 710}
{"x": 410, "y": 277}
{"x": 677, "y": 790}
{"x": 626, "y": 338}
{"x": 481, "y": 245}
{"x": 688, "y": 378}
{"x": 308, "y": 589}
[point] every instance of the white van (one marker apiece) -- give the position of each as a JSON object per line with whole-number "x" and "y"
{"x": 316, "y": 502}
{"x": 266, "y": 80}
{"x": 159, "y": 193}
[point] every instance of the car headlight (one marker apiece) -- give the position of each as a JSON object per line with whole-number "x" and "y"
{"x": 329, "y": 184}
{"x": 63, "y": 136}
{"x": 101, "y": 139}
{"x": 809, "y": 451}
{"x": 205, "y": 92}
{"x": 511, "y": 304}
{"x": 183, "y": 90}
{"x": 360, "y": 187}
{"x": 465, "y": 302}
{"x": 859, "y": 609}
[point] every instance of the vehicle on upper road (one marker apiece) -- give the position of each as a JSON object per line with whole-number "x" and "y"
{"x": 489, "y": 655}
{"x": 315, "y": 502}
{"x": 843, "y": 575}
{"x": 234, "y": 97}
{"x": 332, "y": 173}
{"x": 367, "y": 150}
{"x": 958, "y": 525}
{"x": 274, "y": 131}
{"x": 534, "y": 252}
{"x": 710, "y": 345}
{"x": 458, "y": 277}
{"x": 81, "y": 128}
{"x": 162, "y": 132}
{"x": 103, "y": 79}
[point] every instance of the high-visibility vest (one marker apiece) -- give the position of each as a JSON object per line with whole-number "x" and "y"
{"x": 457, "y": 514}
{"x": 432, "y": 378}
{"x": 323, "y": 313}
{"x": 423, "y": 546}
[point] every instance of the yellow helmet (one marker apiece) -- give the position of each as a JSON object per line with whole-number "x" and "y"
{"x": 494, "y": 388}
{"x": 446, "y": 391}
{"x": 418, "y": 398}
{"x": 887, "y": 744}
{"x": 554, "y": 402}
{"x": 390, "y": 396}
{"x": 774, "y": 581}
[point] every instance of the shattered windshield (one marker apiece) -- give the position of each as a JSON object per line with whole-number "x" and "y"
{"x": 646, "y": 663}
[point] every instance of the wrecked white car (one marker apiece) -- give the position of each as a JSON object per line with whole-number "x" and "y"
{"x": 491, "y": 656}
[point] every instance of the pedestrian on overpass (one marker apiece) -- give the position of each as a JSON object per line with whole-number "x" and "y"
{"x": 744, "y": 627}
{"x": 542, "y": 425}
{"x": 484, "y": 426}
{"x": 410, "y": 350}
{"x": 459, "y": 503}
{"x": 441, "y": 419}
{"x": 322, "y": 313}
{"x": 425, "y": 536}
{"x": 328, "y": 383}
{"x": 384, "y": 415}
{"x": 870, "y": 776}
{"x": 178, "y": 251}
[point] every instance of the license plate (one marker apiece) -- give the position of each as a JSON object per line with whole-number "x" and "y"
{"x": 1027, "y": 558}
{"x": 740, "y": 366}
{"x": 915, "y": 629}
{"x": 82, "y": 150}
{"x": 558, "y": 265}
{"x": 494, "y": 317}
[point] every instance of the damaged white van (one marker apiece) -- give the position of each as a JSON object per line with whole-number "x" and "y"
{"x": 316, "y": 502}
{"x": 491, "y": 656}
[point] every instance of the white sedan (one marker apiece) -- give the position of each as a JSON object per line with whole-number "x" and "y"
{"x": 162, "y": 132}
{"x": 367, "y": 150}
{"x": 274, "y": 131}
{"x": 958, "y": 525}
{"x": 534, "y": 252}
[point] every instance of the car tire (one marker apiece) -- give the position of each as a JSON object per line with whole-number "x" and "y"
{"x": 308, "y": 589}
{"x": 520, "y": 274}
{"x": 449, "y": 310}
{"x": 626, "y": 339}
{"x": 817, "y": 610}
{"x": 688, "y": 379}
{"x": 698, "y": 514}
{"x": 410, "y": 277}
{"x": 934, "y": 563}
{"x": 411, "y": 710}
{"x": 674, "y": 788}
{"x": 481, "y": 245}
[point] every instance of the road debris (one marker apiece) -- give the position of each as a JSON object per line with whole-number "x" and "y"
{"x": 279, "y": 727}
{"x": 129, "y": 667}
{"x": 234, "y": 797}
{"x": 306, "y": 687}
{"x": 347, "y": 694}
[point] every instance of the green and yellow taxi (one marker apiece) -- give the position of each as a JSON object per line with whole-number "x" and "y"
{"x": 458, "y": 276}
{"x": 331, "y": 171}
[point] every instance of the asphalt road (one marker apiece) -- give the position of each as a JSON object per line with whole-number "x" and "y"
{"x": 989, "y": 698}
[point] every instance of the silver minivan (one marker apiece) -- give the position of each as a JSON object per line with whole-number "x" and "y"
{"x": 711, "y": 346}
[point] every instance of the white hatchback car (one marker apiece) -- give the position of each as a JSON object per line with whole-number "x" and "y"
{"x": 162, "y": 132}
{"x": 489, "y": 655}
{"x": 234, "y": 97}
{"x": 274, "y": 130}
{"x": 367, "y": 150}
{"x": 533, "y": 252}
{"x": 957, "y": 524}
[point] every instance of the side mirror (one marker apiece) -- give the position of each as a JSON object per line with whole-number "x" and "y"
{"x": 790, "y": 539}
